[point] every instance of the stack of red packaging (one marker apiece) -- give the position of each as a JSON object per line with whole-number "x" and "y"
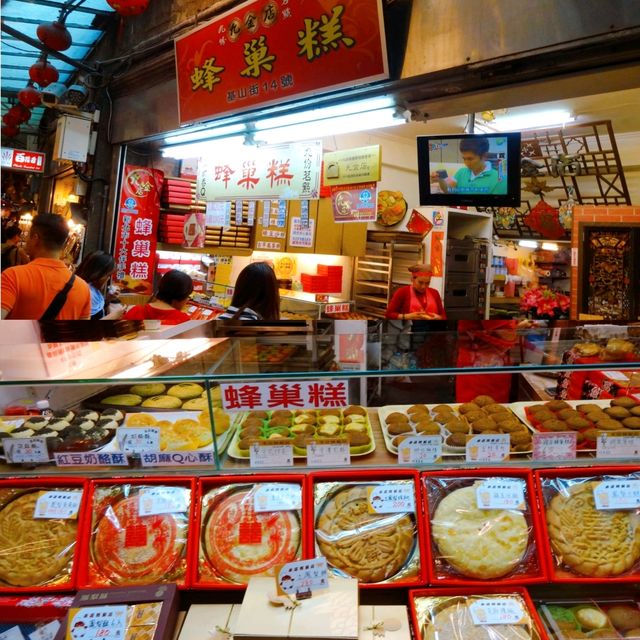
{"x": 314, "y": 283}
{"x": 334, "y": 276}
{"x": 177, "y": 192}
{"x": 171, "y": 228}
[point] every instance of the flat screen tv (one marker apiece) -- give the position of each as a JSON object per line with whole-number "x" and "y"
{"x": 477, "y": 170}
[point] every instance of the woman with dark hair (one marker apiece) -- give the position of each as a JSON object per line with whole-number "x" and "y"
{"x": 12, "y": 253}
{"x": 174, "y": 290}
{"x": 95, "y": 270}
{"x": 256, "y": 295}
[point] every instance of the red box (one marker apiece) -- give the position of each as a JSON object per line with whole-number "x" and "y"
{"x": 558, "y": 574}
{"x": 133, "y": 533}
{"x": 312, "y": 283}
{"x": 521, "y": 591}
{"x": 440, "y": 575}
{"x": 53, "y": 483}
{"x": 26, "y": 608}
{"x": 366, "y": 476}
{"x": 204, "y": 485}
{"x": 333, "y": 271}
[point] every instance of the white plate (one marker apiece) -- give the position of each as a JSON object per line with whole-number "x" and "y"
{"x": 234, "y": 451}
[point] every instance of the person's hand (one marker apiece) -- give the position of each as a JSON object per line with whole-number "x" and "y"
{"x": 526, "y": 324}
{"x": 434, "y": 177}
{"x": 416, "y": 315}
{"x": 433, "y": 316}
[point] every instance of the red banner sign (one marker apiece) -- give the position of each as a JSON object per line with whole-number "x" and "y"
{"x": 23, "y": 160}
{"x": 272, "y": 51}
{"x": 138, "y": 213}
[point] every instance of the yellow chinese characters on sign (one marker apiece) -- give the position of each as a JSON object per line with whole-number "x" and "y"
{"x": 352, "y": 166}
{"x": 320, "y": 36}
{"x": 207, "y": 76}
{"x": 256, "y": 56}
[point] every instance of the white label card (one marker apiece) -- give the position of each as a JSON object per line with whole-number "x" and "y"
{"x": 303, "y": 576}
{"x": 555, "y": 445}
{"x": 58, "y": 504}
{"x": 46, "y": 631}
{"x": 617, "y": 494}
{"x": 12, "y": 634}
{"x": 113, "y": 620}
{"x": 488, "y": 448}
{"x": 611, "y": 446}
{"x": 138, "y": 439}
{"x": 334, "y": 454}
{"x": 497, "y": 611}
{"x": 501, "y": 493}
{"x": 156, "y": 500}
{"x": 20, "y": 450}
{"x": 420, "y": 450}
{"x": 263, "y": 455}
{"x": 391, "y": 497}
{"x": 276, "y": 496}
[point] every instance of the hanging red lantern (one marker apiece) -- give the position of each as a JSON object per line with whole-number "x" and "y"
{"x": 11, "y": 119}
{"x": 10, "y": 130}
{"x": 30, "y": 97}
{"x": 43, "y": 73}
{"x": 20, "y": 113}
{"x": 129, "y": 7}
{"x": 54, "y": 35}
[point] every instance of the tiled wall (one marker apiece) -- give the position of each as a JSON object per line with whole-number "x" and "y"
{"x": 592, "y": 213}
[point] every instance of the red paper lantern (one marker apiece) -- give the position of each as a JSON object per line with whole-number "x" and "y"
{"x": 20, "y": 113}
{"x": 30, "y": 97}
{"x": 129, "y": 7}
{"x": 10, "y": 130}
{"x": 43, "y": 73}
{"x": 54, "y": 35}
{"x": 11, "y": 119}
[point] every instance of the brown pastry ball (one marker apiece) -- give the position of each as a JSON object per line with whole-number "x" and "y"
{"x": 609, "y": 425}
{"x": 617, "y": 412}
{"x": 483, "y": 401}
{"x": 249, "y": 431}
{"x": 578, "y": 423}
{"x": 283, "y": 413}
{"x": 358, "y": 438}
{"x": 555, "y": 425}
{"x": 398, "y": 439}
{"x": 457, "y": 440}
{"x": 624, "y": 617}
{"x": 632, "y": 422}
{"x": 472, "y": 416}
{"x": 253, "y": 422}
{"x": 329, "y": 412}
{"x": 396, "y": 416}
{"x": 481, "y": 426}
{"x": 417, "y": 408}
{"x": 565, "y": 414}
{"x": 262, "y": 415}
{"x": 543, "y": 416}
{"x": 624, "y": 401}
{"x": 557, "y": 405}
{"x": 428, "y": 428}
{"x": 511, "y": 427}
{"x": 594, "y": 416}
{"x": 396, "y": 428}
{"x": 245, "y": 443}
{"x": 588, "y": 408}
{"x": 355, "y": 410}
{"x": 467, "y": 407}
{"x": 520, "y": 437}
{"x": 443, "y": 408}
{"x": 635, "y": 411}
{"x": 501, "y": 420}
{"x": 279, "y": 422}
{"x": 633, "y": 634}
{"x": 304, "y": 412}
{"x": 457, "y": 426}
{"x": 493, "y": 409}
{"x": 536, "y": 408}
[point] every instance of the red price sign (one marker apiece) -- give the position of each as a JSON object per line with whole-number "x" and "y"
{"x": 23, "y": 160}
{"x": 340, "y": 307}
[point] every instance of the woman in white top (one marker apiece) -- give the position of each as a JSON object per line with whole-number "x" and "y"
{"x": 256, "y": 295}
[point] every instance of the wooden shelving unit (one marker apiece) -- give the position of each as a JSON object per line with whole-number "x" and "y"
{"x": 383, "y": 268}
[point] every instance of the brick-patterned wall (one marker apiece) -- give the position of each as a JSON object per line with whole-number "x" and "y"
{"x": 592, "y": 213}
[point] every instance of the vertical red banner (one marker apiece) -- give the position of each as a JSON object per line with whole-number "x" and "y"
{"x": 137, "y": 231}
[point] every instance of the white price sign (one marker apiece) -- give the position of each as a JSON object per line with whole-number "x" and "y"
{"x": 328, "y": 454}
{"x": 610, "y": 445}
{"x": 276, "y": 496}
{"x": 21, "y": 450}
{"x": 113, "y": 622}
{"x": 555, "y": 445}
{"x": 138, "y": 439}
{"x": 264, "y": 455}
{"x": 490, "y": 448}
{"x": 617, "y": 494}
{"x": 501, "y": 493}
{"x": 497, "y": 611}
{"x": 391, "y": 497}
{"x": 303, "y": 576}
{"x": 339, "y": 307}
{"x": 156, "y": 500}
{"x": 420, "y": 450}
{"x": 58, "y": 504}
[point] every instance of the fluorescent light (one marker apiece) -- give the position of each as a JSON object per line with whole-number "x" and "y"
{"x": 549, "y": 246}
{"x": 313, "y": 115}
{"x": 533, "y": 120}
{"x": 204, "y": 134}
{"x": 203, "y": 149}
{"x": 530, "y": 244}
{"x": 334, "y": 126}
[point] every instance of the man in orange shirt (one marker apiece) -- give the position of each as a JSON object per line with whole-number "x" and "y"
{"x": 45, "y": 289}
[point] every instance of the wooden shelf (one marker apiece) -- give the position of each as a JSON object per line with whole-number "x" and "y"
{"x": 378, "y": 284}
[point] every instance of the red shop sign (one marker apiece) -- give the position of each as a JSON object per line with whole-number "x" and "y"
{"x": 138, "y": 213}
{"x": 272, "y": 51}
{"x": 23, "y": 160}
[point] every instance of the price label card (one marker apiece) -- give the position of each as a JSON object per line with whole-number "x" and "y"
{"x": 497, "y": 611}
{"x": 13, "y": 633}
{"x": 328, "y": 454}
{"x": 276, "y": 496}
{"x": 138, "y": 439}
{"x": 617, "y": 494}
{"x": 58, "y": 504}
{"x": 20, "y": 450}
{"x": 489, "y": 448}
{"x": 618, "y": 445}
{"x": 251, "y": 214}
{"x": 557, "y": 445}
{"x": 263, "y": 455}
{"x": 46, "y": 632}
{"x": 420, "y": 450}
{"x": 83, "y": 623}
{"x": 302, "y": 577}
{"x": 337, "y": 307}
{"x": 501, "y": 493}
{"x": 238, "y": 211}
{"x": 391, "y": 497}
{"x": 156, "y": 500}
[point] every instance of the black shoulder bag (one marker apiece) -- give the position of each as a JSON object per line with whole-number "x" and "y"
{"x": 57, "y": 303}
